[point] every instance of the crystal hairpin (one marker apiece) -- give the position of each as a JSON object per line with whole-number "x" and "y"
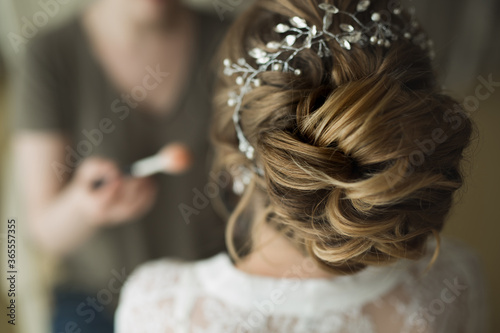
{"x": 299, "y": 36}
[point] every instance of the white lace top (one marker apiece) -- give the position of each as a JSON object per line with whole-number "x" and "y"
{"x": 212, "y": 296}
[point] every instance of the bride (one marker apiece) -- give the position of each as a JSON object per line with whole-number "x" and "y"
{"x": 345, "y": 157}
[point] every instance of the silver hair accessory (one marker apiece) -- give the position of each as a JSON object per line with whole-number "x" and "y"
{"x": 241, "y": 178}
{"x": 299, "y": 36}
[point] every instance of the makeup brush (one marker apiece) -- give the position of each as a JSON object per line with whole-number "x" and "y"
{"x": 172, "y": 159}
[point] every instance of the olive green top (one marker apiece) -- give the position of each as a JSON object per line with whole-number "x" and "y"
{"x": 64, "y": 89}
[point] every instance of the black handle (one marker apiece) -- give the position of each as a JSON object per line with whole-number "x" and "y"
{"x": 96, "y": 184}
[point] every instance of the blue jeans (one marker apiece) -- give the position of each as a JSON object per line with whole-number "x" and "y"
{"x": 71, "y": 316}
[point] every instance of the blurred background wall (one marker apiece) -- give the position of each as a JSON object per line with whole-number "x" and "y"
{"x": 466, "y": 38}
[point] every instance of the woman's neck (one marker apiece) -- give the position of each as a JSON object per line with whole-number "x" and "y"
{"x": 275, "y": 256}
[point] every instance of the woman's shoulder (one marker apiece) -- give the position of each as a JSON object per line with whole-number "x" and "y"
{"x": 164, "y": 276}
{"x": 448, "y": 292}
{"x": 156, "y": 295}
{"x": 152, "y": 277}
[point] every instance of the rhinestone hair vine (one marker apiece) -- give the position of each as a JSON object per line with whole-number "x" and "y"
{"x": 299, "y": 36}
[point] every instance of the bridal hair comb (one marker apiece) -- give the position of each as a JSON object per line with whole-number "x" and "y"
{"x": 299, "y": 36}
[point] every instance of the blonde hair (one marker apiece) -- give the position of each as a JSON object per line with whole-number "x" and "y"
{"x": 361, "y": 156}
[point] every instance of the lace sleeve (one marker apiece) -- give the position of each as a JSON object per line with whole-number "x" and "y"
{"x": 148, "y": 298}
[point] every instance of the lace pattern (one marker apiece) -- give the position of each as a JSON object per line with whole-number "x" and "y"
{"x": 212, "y": 296}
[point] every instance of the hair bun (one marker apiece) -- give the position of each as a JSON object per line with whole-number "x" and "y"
{"x": 341, "y": 173}
{"x": 361, "y": 157}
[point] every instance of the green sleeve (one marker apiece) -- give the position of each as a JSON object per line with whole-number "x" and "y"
{"x": 40, "y": 91}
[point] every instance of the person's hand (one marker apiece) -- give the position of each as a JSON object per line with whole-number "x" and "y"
{"x": 119, "y": 199}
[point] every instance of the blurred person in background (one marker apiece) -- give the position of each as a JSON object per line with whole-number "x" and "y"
{"x": 114, "y": 85}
